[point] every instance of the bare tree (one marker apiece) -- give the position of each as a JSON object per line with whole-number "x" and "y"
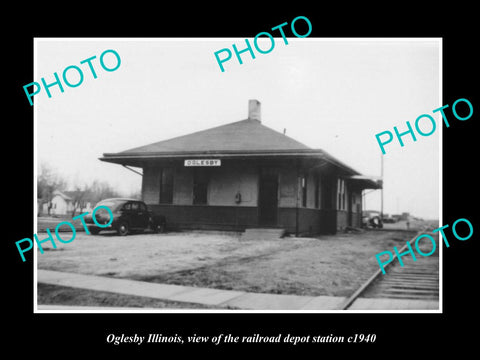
{"x": 78, "y": 197}
{"x": 93, "y": 193}
{"x": 48, "y": 180}
{"x": 135, "y": 194}
{"x": 102, "y": 190}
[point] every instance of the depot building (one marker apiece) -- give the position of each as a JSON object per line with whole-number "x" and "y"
{"x": 245, "y": 175}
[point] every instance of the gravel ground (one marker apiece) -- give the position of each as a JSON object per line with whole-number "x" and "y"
{"x": 326, "y": 265}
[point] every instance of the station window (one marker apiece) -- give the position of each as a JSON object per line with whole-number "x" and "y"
{"x": 304, "y": 190}
{"x": 341, "y": 201}
{"x": 166, "y": 186}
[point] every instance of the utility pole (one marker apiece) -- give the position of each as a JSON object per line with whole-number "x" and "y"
{"x": 381, "y": 197}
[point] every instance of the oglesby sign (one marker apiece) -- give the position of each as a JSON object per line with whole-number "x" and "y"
{"x": 203, "y": 162}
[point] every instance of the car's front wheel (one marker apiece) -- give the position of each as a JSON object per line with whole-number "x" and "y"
{"x": 122, "y": 229}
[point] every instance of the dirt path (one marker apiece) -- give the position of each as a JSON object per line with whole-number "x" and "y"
{"x": 327, "y": 265}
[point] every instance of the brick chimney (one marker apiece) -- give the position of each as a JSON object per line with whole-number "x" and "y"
{"x": 254, "y": 110}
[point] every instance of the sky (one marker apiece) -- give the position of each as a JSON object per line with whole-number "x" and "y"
{"x": 332, "y": 94}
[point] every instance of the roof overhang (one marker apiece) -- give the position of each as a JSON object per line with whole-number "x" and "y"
{"x": 139, "y": 159}
{"x": 366, "y": 182}
{"x": 125, "y": 156}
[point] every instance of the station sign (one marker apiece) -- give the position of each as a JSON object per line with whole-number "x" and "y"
{"x": 203, "y": 162}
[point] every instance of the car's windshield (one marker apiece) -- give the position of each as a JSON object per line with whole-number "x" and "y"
{"x": 111, "y": 204}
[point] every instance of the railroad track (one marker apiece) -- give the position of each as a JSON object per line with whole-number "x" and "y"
{"x": 416, "y": 280}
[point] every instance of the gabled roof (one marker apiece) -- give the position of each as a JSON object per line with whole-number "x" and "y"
{"x": 245, "y": 138}
{"x": 63, "y": 195}
{"x": 73, "y": 194}
{"x": 240, "y": 136}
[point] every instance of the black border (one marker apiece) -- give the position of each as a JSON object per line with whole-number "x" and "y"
{"x": 85, "y": 333}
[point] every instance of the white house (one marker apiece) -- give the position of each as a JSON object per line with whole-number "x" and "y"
{"x": 63, "y": 203}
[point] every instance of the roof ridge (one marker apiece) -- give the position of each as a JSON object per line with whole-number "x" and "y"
{"x": 224, "y": 139}
{"x": 189, "y": 134}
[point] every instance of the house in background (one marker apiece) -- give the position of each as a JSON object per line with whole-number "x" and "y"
{"x": 245, "y": 175}
{"x": 63, "y": 203}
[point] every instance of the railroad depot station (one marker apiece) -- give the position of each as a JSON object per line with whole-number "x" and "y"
{"x": 245, "y": 175}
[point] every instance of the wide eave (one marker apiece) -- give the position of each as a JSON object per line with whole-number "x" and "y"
{"x": 246, "y": 139}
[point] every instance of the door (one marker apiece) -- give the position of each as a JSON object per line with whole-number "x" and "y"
{"x": 139, "y": 216}
{"x": 143, "y": 215}
{"x": 328, "y": 200}
{"x": 359, "y": 216}
{"x": 268, "y": 199}
{"x": 350, "y": 209}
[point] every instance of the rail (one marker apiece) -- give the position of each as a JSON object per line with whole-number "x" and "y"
{"x": 372, "y": 278}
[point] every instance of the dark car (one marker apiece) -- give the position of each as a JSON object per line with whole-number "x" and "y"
{"x": 372, "y": 219}
{"x": 128, "y": 215}
{"x": 389, "y": 219}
